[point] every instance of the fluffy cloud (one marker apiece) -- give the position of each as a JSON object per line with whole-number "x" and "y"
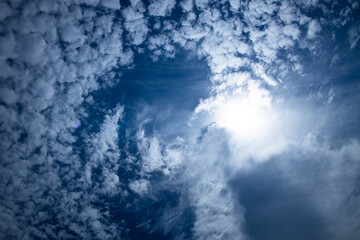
{"x": 139, "y": 186}
{"x": 39, "y": 63}
{"x": 8, "y": 96}
{"x": 113, "y": 4}
{"x": 314, "y": 29}
{"x": 161, "y": 8}
{"x": 70, "y": 33}
{"x": 55, "y": 170}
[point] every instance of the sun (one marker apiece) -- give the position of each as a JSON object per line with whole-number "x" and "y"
{"x": 246, "y": 119}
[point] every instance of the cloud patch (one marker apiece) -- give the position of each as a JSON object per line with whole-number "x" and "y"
{"x": 58, "y": 181}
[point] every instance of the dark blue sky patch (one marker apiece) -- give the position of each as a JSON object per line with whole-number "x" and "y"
{"x": 165, "y": 214}
{"x": 181, "y": 79}
{"x": 275, "y": 208}
{"x": 166, "y": 91}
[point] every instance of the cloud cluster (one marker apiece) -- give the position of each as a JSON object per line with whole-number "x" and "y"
{"x": 49, "y": 65}
{"x": 54, "y": 177}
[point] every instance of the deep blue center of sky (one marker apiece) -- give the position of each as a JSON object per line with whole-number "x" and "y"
{"x": 277, "y": 208}
{"x": 165, "y": 92}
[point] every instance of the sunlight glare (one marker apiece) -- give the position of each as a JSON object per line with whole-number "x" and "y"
{"x": 244, "y": 118}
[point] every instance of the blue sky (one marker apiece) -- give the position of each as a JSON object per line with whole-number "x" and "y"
{"x": 194, "y": 119}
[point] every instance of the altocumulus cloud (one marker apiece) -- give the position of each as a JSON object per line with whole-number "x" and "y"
{"x": 267, "y": 103}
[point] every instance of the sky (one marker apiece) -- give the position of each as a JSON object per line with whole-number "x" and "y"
{"x": 194, "y": 119}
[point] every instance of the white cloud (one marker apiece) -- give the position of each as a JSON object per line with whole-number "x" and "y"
{"x": 187, "y": 5}
{"x": 258, "y": 9}
{"x": 50, "y": 65}
{"x": 135, "y": 22}
{"x": 235, "y": 4}
{"x": 137, "y": 31}
{"x": 70, "y": 33}
{"x": 260, "y": 72}
{"x": 292, "y": 30}
{"x": 161, "y": 45}
{"x": 31, "y": 48}
{"x": 314, "y": 29}
{"x": 113, "y": 4}
{"x": 36, "y": 81}
{"x": 201, "y": 3}
{"x": 150, "y": 150}
{"x": 216, "y": 217}
{"x": 140, "y": 186}
{"x": 161, "y": 8}
{"x": 43, "y": 89}
{"x": 5, "y": 11}
{"x": 132, "y": 14}
{"x": 8, "y": 96}
{"x": 105, "y": 144}
{"x": 7, "y": 44}
{"x": 354, "y": 36}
